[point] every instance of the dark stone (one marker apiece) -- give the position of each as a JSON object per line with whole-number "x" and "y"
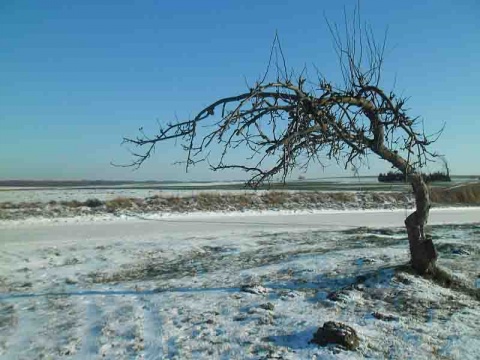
{"x": 239, "y": 318}
{"x": 336, "y": 333}
{"x": 267, "y": 306}
{"x": 341, "y": 296}
{"x": 384, "y": 317}
{"x": 265, "y": 320}
{"x": 359, "y": 287}
{"x": 460, "y": 252}
{"x": 360, "y": 279}
{"x": 364, "y": 261}
{"x": 254, "y": 289}
{"x": 70, "y": 281}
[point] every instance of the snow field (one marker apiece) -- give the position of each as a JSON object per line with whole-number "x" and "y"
{"x": 147, "y": 289}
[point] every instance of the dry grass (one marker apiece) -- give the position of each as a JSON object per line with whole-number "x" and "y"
{"x": 121, "y": 203}
{"x": 343, "y": 197}
{"x": 7, "y": 205}
{"x": 466, "y": 194}
{"x": 71, "y": 204}
{"x": 209, "y": 199}
{"x": 243, "y": 200}
{"x": 213, "y": 201}
{"x": 275, "y": 198}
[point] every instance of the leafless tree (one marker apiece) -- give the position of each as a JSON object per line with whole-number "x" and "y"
{"x": 446, "y": 168}
{"x": 286, "y": 120}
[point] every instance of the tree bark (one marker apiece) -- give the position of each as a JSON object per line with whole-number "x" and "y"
{"x": 422, "y": 250}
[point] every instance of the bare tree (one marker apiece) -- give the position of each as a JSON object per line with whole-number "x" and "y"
{"x": 446, "y": 168}
{"x": 286, "y": 121}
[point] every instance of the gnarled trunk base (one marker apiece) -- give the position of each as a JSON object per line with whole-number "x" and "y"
{"x": 422, "y": 250}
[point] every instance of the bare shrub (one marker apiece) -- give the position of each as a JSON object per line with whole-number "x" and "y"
{"x": 92, "y": 203}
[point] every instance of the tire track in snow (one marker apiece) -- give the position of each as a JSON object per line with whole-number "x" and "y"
{"x": 93, "y": 327}
{"x": 152, "y": 329}
{"x": 29, "y": 324}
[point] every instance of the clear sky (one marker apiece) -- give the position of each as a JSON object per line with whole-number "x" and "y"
{"x": 77, "y": 76}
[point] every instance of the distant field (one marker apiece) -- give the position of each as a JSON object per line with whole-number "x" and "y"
{"x": 46, "y": 191}
{"x": 333, "y": 183}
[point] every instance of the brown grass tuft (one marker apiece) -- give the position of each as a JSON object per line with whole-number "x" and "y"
{"x": 119, "y": 203}
{"x": 7, "y": 205}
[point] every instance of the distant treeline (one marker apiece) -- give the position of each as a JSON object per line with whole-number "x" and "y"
{"x": 61, "y": 183}
{"x": 399, "y": 177}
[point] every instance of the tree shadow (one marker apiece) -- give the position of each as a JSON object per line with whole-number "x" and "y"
{"x": 11, "y": 296}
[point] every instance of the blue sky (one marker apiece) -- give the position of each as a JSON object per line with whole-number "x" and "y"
{"x": 77, "y": 76}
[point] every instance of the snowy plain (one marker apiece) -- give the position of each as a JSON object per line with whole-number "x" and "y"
{"x": 172, "y": 286}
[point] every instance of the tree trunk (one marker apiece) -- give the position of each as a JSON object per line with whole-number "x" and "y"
{"x": 422, "y": 250}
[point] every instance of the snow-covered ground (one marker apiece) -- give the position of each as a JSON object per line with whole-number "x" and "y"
{"x": 234, "y": 286}
{"x": 20, "y": 195}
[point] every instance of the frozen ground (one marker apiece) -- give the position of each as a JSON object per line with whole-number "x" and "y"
{"x": 19, "y": 195}
{"x": 174, "y": 286}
